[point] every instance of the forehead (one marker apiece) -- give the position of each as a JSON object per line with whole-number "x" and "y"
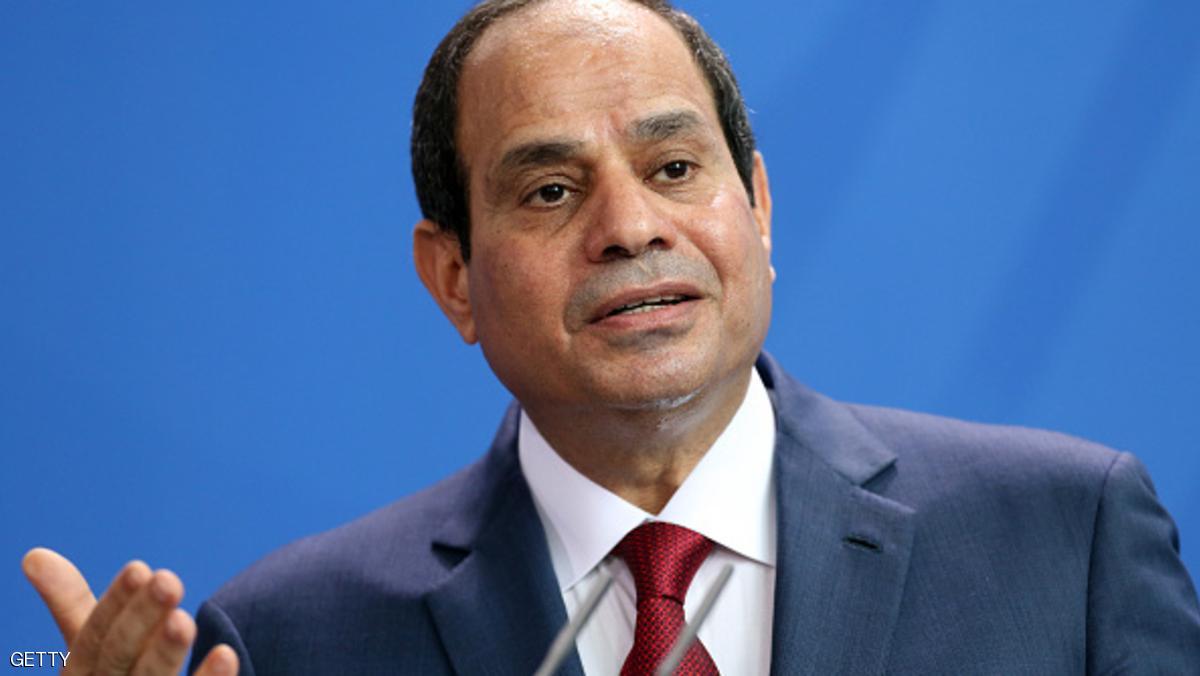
{"x": 569, "y": 68}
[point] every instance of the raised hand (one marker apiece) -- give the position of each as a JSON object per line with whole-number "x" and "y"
{"x": 135, "y": 628}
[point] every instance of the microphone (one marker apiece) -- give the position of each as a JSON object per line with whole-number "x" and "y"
{"x": 565, "y": 641}
{"x": 686, "y": 637}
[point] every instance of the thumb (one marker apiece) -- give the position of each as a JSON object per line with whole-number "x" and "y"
{"x": 62, "y": 588}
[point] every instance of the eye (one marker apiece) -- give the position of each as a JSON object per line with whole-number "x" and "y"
{"x": 548, "y": 195}
{"x": 676, "y": 170}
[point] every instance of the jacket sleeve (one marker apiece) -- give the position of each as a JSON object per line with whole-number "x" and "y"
{"x": 214, "y": 628}
{"x": 1142, "y": 609}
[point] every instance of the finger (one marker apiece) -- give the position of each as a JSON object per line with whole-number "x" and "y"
{"x": 168, "y": 646}
{"x": 220, "y": 661}
{"x": 62, "y": 588}
{"x": 85, "y": 650}
{"x": 130, "y": 631}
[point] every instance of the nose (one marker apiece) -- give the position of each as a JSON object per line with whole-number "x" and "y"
{"x": 626, "y": 221}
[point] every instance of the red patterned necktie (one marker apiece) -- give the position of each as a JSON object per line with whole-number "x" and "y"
{"x": 663, "y": 558}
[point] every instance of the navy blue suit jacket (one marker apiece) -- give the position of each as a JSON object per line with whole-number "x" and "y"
{"x": 907, "y": 544}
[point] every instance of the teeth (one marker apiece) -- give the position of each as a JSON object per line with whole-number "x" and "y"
{"x": 648, "y": 304}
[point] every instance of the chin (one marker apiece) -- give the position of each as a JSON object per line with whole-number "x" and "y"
{"x": 657, "y": 383}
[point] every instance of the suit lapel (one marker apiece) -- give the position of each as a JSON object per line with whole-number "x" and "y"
{"x": 500, "y": 607}
{"x": 843, "y": 551}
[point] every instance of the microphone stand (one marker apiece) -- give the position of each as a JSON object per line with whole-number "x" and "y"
{"x": 565, "y": 641}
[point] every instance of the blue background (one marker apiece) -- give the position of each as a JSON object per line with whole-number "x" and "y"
{"x": 213, "y": 341}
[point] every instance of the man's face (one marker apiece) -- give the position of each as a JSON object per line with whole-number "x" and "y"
{"x": 616, "y": 258}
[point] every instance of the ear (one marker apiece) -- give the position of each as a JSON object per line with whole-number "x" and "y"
{"x": 440, "y": 265}
{"x": 762, "y": 204}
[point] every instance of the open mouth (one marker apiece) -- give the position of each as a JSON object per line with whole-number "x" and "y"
{"x": 648, "y": 305}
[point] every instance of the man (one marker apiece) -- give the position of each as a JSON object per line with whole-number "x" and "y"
{"x": 598, "y": 221}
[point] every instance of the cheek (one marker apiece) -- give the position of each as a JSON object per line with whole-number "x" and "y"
{"x": 726, "y": 233}
{"x": 728, "y": 236}
{"x": 514, "y": 291}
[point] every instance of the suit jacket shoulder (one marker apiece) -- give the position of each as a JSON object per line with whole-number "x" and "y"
{"x": 992, "y": 469}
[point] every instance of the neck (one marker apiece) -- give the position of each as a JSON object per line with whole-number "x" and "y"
{"x": 642, "y": 456}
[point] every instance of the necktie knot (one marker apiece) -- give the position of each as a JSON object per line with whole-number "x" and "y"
{"x": 663, "y": 559}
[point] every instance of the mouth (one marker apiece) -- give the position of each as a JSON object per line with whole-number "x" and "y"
{"x": 643, "y": 301}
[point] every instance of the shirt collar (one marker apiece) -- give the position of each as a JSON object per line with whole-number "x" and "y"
{"x": 728, "y": 497}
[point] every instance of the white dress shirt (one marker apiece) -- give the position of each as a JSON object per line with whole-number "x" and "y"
{"x": 728, "y": 497}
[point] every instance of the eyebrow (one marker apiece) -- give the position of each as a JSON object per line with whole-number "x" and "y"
{"x": 537, "y": 154}
{"x": 540, "y": 153}
{"x": 662, "y": 126}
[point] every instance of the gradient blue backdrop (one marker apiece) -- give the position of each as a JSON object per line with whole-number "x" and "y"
{"x": 213, "y": 341}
